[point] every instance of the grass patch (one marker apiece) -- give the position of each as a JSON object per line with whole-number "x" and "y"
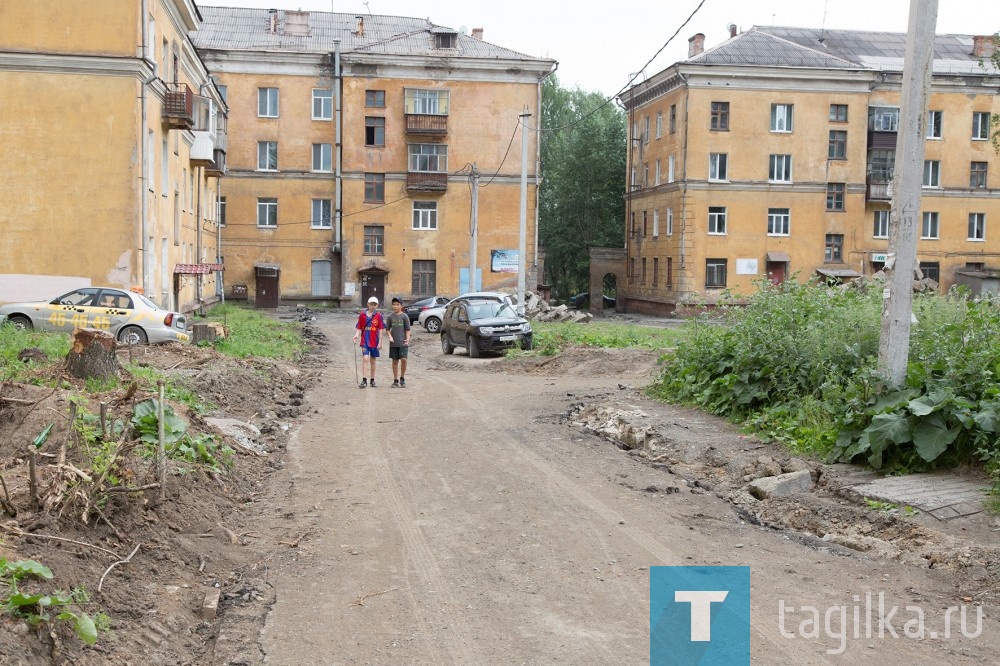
{"x": 13, "y": 341}
{"x": 252, "y": 333}
{"x": 551, "y": 337}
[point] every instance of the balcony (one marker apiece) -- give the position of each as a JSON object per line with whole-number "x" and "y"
{"x": 426, "y": 181}
{"x": 203, "y": 148}
{"x": 418, "y": 123}
{"x": 178, "y": 106}
{"x": 217, "y": 168}
{"x": 879, "y": 189}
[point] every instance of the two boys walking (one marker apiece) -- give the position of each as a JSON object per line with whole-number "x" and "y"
{"x": 369, "y": 328}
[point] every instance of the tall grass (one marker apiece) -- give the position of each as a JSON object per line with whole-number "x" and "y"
{"x": 552, "y": 337}
{"x": 252, "y": 333}
{"x": 13, "y": 341}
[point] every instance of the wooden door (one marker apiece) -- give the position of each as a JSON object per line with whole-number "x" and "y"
{"x": 776, "y": 271}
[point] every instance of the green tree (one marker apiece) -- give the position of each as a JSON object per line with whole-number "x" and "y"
{"x": 582, "y": 202}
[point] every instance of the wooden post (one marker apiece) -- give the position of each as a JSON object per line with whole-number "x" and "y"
{"x": 32, "y": 477}
{"x": 104, "y": 421}
{"x": 161, "y": 453}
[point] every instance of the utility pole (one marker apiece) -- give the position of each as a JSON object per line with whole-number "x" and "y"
{"x": 522, "y": 248}
{"x": 897, "y": 307}
{"x": 474, "y": 227}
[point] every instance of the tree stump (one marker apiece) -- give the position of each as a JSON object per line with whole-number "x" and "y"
{"x": 92, "y": 354}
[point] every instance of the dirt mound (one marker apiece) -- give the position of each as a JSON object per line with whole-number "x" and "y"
{"x": 586, "y": 362}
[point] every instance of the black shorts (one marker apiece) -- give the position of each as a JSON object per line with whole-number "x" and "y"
{"x": 398, "y": 352}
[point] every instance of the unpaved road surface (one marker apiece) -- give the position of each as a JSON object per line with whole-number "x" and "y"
{"x": 468, "y": 519}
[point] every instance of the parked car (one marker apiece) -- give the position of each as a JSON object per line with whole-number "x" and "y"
{"x": 131, "y": 317}
{"x": 582, "y": 301}
{"x": 414, "y": 309}
{"x": 483, "y": 325}
{"x": 431, "y": 318}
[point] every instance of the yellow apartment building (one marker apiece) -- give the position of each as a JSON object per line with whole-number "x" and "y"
{"x": 353, "y": 142}
{"x": 113, "y": 136}
{"x": 771, "y": 155}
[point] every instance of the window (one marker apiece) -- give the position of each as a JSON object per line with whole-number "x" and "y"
{"x": 657, "y": 182}
{"x": 883, "y": 119}
{"x": 631, "y": 270}
{"x": 881, "y": 229}
{"x": 224, "y": 93}
{"x": 375, "y": 99}
{"x": 631, "y": 225}
{"x": 322, "y": 157}
{"x": 934, "y": 119}
{"x": 645, "y": 223}
{"x": 322, "y": 104}
{"x": 931, "y": 270}
{"x": 838, "y": 145}
{"x": 656, "y": 223}
{"x": 635, "y": 179}
{"x": 781, "y": 117}
{"x": 974, "y": 265}
{"x": 716, "y": 219}
{"x": 267, "y": 212}
{"x": 838, "y": 113}
{"x": 374, "y": 131}
{"x": 670, "y": 221}
{"x": 835, "y": 196}
{"x": 717, "y": 166}
{"x": 980, "y": 125}
{"x": 977, "y": 226}
{"x": 656, "y": 271}
{"x": 673, "y": 118}
{"x": 164, "y": 167}
{"x": 425, "y": 215}
{"x": 929, "y": 228}
{"x": 834, "y": 248}
{"x": 445, "y": 40}
{"x": 932, "y": 173}
{"x": 374, "y": 239}
{"x": 645, "y": 129}
{"x": 432, "y": 157}
{"x": 424, "y": 277}
{"x": 659, "y": 124}
{"x": 426, "y": 102}
{"x": 267, "y": 155}
{"x": 670, "y": 169}
{"x": 715, "y": 272}
{"x": 375, "y": 187}
{"x": 670, "y": 271}
{"x": 645, "y": 175}
{"x": 977, "y": 175}
{"x": 881, "y": 165}
{"x": 642, "y": 279}
{"x": 267, "y": 102}
{"x": 720, "y": 116}
{"x": 780, "y": 169}
{"x": 222, "y": 211}
{"x": 322, "y": 214}
{"x": 778, "y": 221}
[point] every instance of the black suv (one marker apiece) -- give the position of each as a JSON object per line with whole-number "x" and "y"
{"x": 482, "y": 325}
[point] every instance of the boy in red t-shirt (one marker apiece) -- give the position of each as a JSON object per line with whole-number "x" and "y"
{"x": 370, "y": 326}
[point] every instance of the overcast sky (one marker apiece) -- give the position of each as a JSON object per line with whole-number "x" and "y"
{"x": 600, "y": 44}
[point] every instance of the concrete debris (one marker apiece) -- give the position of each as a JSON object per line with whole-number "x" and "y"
{"x": 537, "y": 309}
{"x": 783, "y": 484}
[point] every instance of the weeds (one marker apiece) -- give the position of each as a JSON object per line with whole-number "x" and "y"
{"x": 254, "y": 334}
{"x": 551, "y": 338}
{"x": 13, "y": 341}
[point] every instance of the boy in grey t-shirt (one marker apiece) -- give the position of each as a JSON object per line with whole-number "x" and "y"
{"x": 398, "y": 327}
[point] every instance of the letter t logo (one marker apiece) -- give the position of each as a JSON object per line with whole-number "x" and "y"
{"x": 701, "y": 610}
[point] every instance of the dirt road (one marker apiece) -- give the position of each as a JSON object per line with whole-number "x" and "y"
{"x": 466, "y": 519}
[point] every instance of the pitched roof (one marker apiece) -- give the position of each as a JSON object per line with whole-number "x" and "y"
{"x": 236, "y": 28}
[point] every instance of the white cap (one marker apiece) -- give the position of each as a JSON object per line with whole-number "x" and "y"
{"x": 373, "y": 300}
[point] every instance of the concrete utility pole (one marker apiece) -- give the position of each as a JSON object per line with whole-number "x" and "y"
{"x": 474, "y": 227}
{"x": 897, "y": 308}
{"x": 522, "y": 247}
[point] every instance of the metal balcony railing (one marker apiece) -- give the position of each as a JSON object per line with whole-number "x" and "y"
{"x": 178, "y": 106}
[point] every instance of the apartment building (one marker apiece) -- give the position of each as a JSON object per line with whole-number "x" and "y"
{"x": 353, "y": 142}
{"x": 113, "y": 137}
{"x": 772, "y": 155}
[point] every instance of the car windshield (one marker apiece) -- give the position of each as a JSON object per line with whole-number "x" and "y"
{"x": 490, "y": 310}
{"x": 148, "y": 302}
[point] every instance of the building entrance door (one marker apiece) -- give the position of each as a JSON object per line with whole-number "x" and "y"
{"x": 373, "y": 284}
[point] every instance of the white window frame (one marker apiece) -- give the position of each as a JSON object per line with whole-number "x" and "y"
{"x": 425, "y": 216}
{"x": 428, "y": 157}
{"x": 779, "y": 169}
{"x": 980, "y": 125}
{"x": 930, "y": 225}
{"x": 670, "y": 221}
{"x": 264, "y": 206}
{"x": 657, "y": 172}
{"x": 779, "y": 217}
{"x": 266, "y": 106}
{"x": 781, "y": 118}
{"x": 263, "y": 156}
{"x": 322, "y": 214}
{"x": 977, "y": 227}
{"x": 932, "y": 173}
{"x": 656, "y": 223}
{"x": 717, "y": 262}
{"x": 716, "y": 220}
{"x": 322, "y": 106}
{"x": 934, "y": 130}
{"x": 659, "y": 124}
{"x": 670, "y": 169}
{"x": 426, "y": 102}
{"x": 881, "y": 224}
{"x": 718, "y": 167}
{"x": 322, "y": 157}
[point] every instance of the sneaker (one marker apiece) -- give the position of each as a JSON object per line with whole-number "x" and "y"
{"x": 373, "y": 383}
{"x": 395, "y": 383}
{"x": 364, "y": 383}
{"x": 402, "y": 382}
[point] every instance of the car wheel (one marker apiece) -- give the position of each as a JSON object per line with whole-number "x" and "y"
{"x": 472, "y": 346}
{"x": 446, "y": 346}
{"x": 21, "y": 322}
{"x": 527, "y": 345}
{"x": 132, "y": 335}
{"x": 432, "y": 324}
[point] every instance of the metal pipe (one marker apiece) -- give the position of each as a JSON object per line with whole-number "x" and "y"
{"x": 338, "y": 171}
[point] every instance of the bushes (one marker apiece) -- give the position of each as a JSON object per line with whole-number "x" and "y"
{"x": 798, "y": 364}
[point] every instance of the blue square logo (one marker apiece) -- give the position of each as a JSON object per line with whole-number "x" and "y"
{"x": 699, "y": 615}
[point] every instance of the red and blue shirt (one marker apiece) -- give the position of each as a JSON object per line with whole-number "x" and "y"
{"x": 370, "y": 325}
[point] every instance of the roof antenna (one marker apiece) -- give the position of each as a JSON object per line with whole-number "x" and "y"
{"x": 822, "y": 29}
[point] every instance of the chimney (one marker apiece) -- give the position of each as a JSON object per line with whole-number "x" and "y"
{"x": 297, "y": 23}
{"x": 477, "y": 33}
{"x": 360, "y": 32}
{"x": 983, "y": 46}
{"x": 732, "y": 30}
{"x": 696, "y": 45}
{"x": 272, "y": 21}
